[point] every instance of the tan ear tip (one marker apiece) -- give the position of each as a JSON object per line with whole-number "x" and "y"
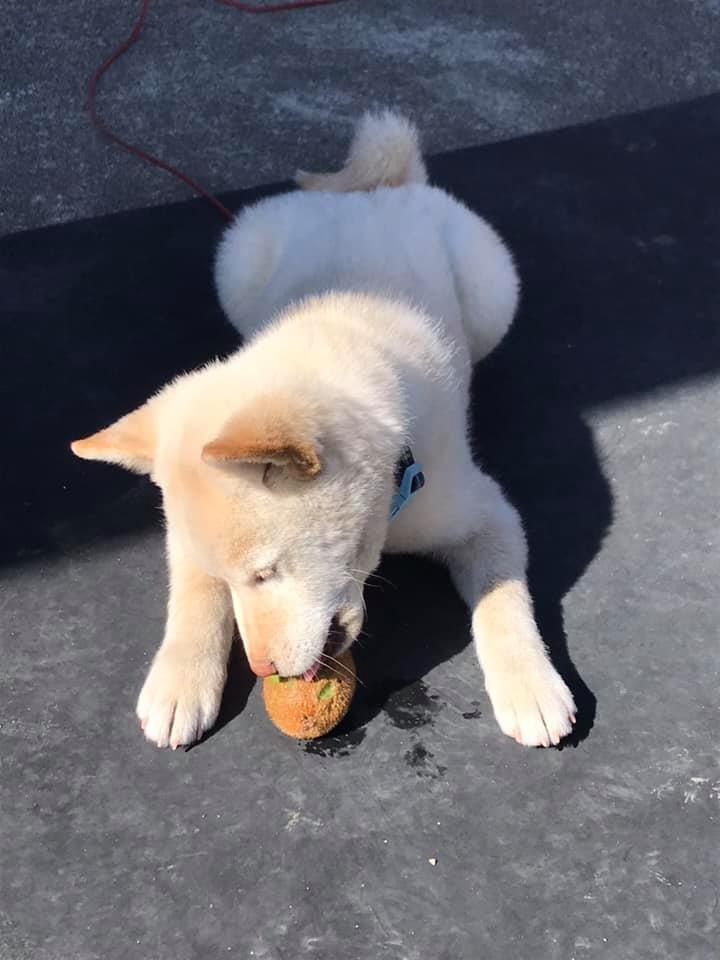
{"x": 213, "y": 452}
{"x": 217, "y": 452}
{"x": 87, "y": 448}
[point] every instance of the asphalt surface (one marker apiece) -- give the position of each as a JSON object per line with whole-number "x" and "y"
{"x": 418, "y": 830}
{"x": 236, "y": 100}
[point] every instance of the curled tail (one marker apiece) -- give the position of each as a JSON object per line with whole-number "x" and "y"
{"x": 385, "y": 152}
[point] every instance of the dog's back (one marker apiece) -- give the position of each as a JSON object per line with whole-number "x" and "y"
{"x": 374, "y": 227}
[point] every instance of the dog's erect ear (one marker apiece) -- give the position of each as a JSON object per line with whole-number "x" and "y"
{"x": 129, "y": 442}
{"x": 262, "y": 439}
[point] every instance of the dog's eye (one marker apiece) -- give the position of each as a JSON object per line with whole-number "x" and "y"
{"x": 262, "y": 576}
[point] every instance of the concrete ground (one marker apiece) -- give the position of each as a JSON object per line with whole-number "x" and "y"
{"x": 236, "y": 100}
{"x": 417, "y": 831}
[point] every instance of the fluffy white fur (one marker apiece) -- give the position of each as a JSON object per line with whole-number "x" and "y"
{"x": 364, "y": 307}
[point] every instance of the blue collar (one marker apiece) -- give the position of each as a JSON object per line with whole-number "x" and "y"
{"x": 409, "y": 478}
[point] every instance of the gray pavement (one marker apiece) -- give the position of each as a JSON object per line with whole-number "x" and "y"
{"x": 237, "y": 100}
{"x": 417, "y": 831}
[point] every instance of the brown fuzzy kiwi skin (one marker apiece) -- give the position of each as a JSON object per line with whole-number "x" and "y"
{"x": 307, "y": 709}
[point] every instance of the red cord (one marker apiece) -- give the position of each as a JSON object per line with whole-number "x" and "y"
{"x": 131, "y": 41}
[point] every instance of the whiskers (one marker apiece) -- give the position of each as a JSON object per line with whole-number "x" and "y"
{"x": 362, "y": 636}
{"x": 335, "y": 666}
{"x": 360, "y": 585}
{"x": 372, "y": 579}
{"x": 369, "y": 579}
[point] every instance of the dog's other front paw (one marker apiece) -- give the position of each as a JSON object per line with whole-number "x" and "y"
{"x": 532, "y": 704}
{"x": 181, "y": 697}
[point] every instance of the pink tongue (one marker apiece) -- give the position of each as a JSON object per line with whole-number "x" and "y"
{"x": 312, "y": 672}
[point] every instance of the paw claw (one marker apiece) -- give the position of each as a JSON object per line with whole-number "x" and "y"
{"x": 532, "y": 703}
{"x": 179, "y": 702}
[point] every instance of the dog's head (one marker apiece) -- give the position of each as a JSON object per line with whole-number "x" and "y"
{"x": 273, "y": 495}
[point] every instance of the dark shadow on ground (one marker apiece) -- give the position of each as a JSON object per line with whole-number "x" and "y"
{"x": 618, "y": 254}
{"x": 239, "y": 686}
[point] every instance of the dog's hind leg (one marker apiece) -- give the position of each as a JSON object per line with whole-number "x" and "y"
{"x": 486, "y": 280}
{"x": 181, "y": 696}
{"x": 530, "y": 700}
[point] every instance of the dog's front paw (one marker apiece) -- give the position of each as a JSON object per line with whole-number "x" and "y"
{"x": 180, "y": 699}
{"x": 532, "y": 704}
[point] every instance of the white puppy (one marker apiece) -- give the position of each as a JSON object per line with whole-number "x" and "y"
{"x": 364, "y": 300}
